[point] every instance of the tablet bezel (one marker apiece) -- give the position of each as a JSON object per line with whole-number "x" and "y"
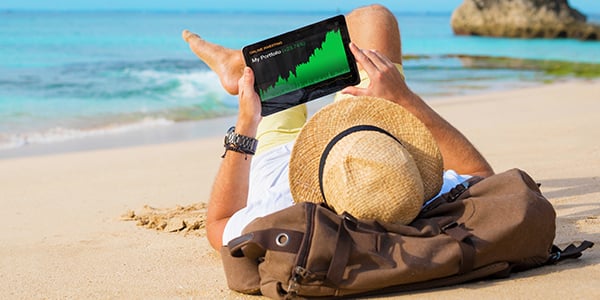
{"x": 313, "y": 91}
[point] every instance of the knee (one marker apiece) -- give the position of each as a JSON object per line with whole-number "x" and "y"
{"x": 374, "y": 10}
{"x": 373, "y": 15}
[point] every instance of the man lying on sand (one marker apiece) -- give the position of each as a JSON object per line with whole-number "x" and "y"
{"x": 248, "y": 187}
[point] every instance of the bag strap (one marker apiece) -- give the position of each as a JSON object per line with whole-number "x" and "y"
{"x": 343, "y": 245}
{"x": 254, "y": 244}
{"x": 449, "y": 196}
{"x": 571, "y": 252}
{"x": 463, "y": 237}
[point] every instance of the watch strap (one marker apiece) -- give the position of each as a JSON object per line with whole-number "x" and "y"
{"x": 239, "y": 143}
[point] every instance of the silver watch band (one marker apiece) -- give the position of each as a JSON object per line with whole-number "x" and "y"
{"x": 239, "y": 143}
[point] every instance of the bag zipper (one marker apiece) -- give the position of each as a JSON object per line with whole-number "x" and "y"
{"x": 300, "y": 271}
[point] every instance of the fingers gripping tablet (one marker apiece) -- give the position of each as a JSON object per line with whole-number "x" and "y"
{"x": 302, "y": 65}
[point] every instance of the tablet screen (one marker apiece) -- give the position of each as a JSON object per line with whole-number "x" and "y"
{"x": 302, "y": 65}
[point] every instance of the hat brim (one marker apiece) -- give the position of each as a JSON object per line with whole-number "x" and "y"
{"x": 340, "y": 115}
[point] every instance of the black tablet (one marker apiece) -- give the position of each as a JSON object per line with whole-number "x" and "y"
{"x": 302, "y": 65}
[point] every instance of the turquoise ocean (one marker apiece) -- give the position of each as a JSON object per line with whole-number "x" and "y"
{"x": 68, "y": 75}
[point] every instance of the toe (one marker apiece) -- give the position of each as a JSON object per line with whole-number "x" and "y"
{"x": 188, "y": 36}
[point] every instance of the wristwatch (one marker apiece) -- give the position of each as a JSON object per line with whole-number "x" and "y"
{"x": 239, "y": 143}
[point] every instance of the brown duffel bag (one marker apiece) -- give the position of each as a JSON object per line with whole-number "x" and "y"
{"x": 479, "y": 229}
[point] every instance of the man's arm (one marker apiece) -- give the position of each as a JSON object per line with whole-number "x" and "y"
{"x": 386, "y": 82}
{"x": 230, "y": 189}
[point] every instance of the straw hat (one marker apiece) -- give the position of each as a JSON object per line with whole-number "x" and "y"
{"x": 366, "y": 156}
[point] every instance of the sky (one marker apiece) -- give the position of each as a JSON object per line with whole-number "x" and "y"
{"x": 585, "y": 6}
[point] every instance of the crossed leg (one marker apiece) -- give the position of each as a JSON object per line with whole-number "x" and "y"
{"x": 370, "y": 27}
{"x": 227, "y": 63}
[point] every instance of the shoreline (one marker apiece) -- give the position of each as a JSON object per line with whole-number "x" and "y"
{"x": 176, "y": 132}
{"x": 205, "y": 128}
{"x": 64, "y": 237}
{"x": 173, "y": 133}
{"x": 27, "y": 131}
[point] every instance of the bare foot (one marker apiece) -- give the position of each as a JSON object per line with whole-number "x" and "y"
{"x": 227, "y": 63}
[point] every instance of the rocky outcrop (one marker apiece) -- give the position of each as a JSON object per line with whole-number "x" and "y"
{"x": 522, "y": 19}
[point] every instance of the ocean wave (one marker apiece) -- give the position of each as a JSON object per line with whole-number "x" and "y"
{"x": 79, "y": 95}
{"x": 155, "y": 79}
{"x": 193, "y": 84}
{"x": 60, "y": 134}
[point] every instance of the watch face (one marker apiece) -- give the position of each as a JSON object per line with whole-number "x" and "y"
{"x": 228, "y": 136}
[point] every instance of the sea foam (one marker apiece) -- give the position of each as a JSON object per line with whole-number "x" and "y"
{"x": 60, "y": 134}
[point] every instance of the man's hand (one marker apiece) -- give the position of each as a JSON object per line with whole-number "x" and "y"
{"x": 249, "y": 105}
{"x": 386, "y": 80}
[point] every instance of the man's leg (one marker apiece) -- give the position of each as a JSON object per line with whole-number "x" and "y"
{"x": 375, "y": 27}
{"x": 227, "y": 63}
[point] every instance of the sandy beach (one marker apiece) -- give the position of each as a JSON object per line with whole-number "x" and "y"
{"x": 63, "y": 233}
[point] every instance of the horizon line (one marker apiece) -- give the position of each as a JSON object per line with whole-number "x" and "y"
{"x": 287, "y": 11}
